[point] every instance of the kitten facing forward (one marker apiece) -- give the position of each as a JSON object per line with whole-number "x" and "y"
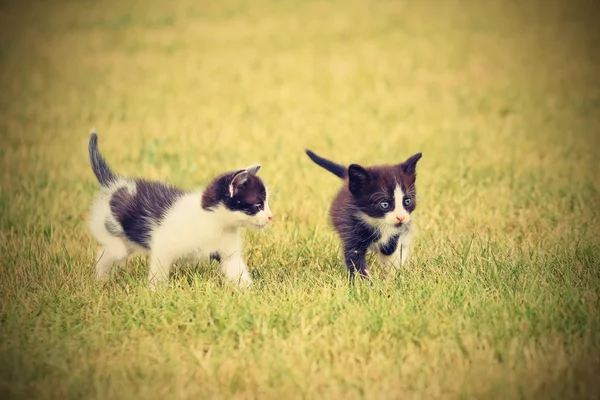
{"x": 373, "y": 210}
{"x": 134, "y": 215}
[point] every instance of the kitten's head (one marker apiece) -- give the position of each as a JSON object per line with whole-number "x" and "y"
{"x": 385, "y": 194}
{"x": 243, "y": 197}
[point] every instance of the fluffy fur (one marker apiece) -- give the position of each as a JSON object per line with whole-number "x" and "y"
{"x": 372, "y": 211}
{"x": 133, "y": 215}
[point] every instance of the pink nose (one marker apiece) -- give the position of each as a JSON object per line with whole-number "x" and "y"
{"x": 270, "y": 217}
{"x": 400, "y": 219}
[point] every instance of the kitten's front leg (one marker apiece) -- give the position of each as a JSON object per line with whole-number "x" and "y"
{"x": 394, "y": 254}
{"x": 404, "y": 253}
{"x": 404, "y": 247}
{"x": 160, "y": 265}
{"x": 104, "y": 263}
{"x": 235, "y": 269}
{"x": 113, "y": 252}
{"x": 356, "y": 260}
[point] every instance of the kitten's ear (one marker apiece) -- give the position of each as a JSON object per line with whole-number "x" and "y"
{"x": 237, "y": 182}
{"x": 253, "y": 169}
{"x": 410, "y": 165}
{"x": 357, "y": 178}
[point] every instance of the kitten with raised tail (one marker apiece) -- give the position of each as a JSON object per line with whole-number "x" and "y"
{"x": 135, "y": 215}
{"x": 372, "y": 211}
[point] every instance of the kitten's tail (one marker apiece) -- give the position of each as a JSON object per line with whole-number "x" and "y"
{"x": 336, "y": 169}
{"x": 101, "y": 169}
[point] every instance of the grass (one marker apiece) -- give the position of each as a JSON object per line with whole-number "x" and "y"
{"x": 501, "y": 298}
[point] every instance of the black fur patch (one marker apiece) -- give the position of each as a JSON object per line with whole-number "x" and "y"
{"x": 390, "y": 247}
{"x": 248, "y": 197}
{"x": 139, "y": 213}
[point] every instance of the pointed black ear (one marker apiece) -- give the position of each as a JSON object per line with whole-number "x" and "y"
{"x": 237, "y": 182}
{"x": 357, "y": 178}
{"x": 410, "y": 165}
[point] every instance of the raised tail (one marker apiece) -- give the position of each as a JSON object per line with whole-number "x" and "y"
{"x": 101, "y": 169}
{"x": 336, "y": 169}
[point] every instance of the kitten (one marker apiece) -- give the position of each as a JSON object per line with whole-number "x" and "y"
{"x": 373, "y": 210}
{"x": 134, "y": 215}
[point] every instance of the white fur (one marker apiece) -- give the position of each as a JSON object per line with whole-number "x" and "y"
{"x": 187, "y": 231}
{"x": 387, "y": 228}
{"x": 398, "y": 259}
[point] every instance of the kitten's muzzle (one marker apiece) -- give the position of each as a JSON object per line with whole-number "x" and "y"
{"x": 260, "y": 226}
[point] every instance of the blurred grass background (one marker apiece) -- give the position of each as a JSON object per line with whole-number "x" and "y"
{"x": 503, "y": 99}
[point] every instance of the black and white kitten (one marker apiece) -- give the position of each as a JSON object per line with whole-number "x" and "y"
{"x": 134, "y": 215}
{"x": 373, "y": 211}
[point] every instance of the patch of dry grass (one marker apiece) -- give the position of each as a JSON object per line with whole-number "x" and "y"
{"x": 502, "y": 98}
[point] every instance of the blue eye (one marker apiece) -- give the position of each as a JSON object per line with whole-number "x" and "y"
{"x": 384, "y": 205}
{"x": 407, "y": 201}
{"x": 258, "y": 206}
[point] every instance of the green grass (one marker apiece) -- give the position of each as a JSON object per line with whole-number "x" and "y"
{"x": 501, "y": 299}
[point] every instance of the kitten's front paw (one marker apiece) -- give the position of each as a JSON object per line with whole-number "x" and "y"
{"x": 152, "y": 286}
{"x": 245, "y": 282}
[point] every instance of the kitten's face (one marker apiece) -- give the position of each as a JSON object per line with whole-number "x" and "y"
{"x": 385, "y": 194}
{"x": 243, "y": 195}
{"x": 249, "y": 202}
